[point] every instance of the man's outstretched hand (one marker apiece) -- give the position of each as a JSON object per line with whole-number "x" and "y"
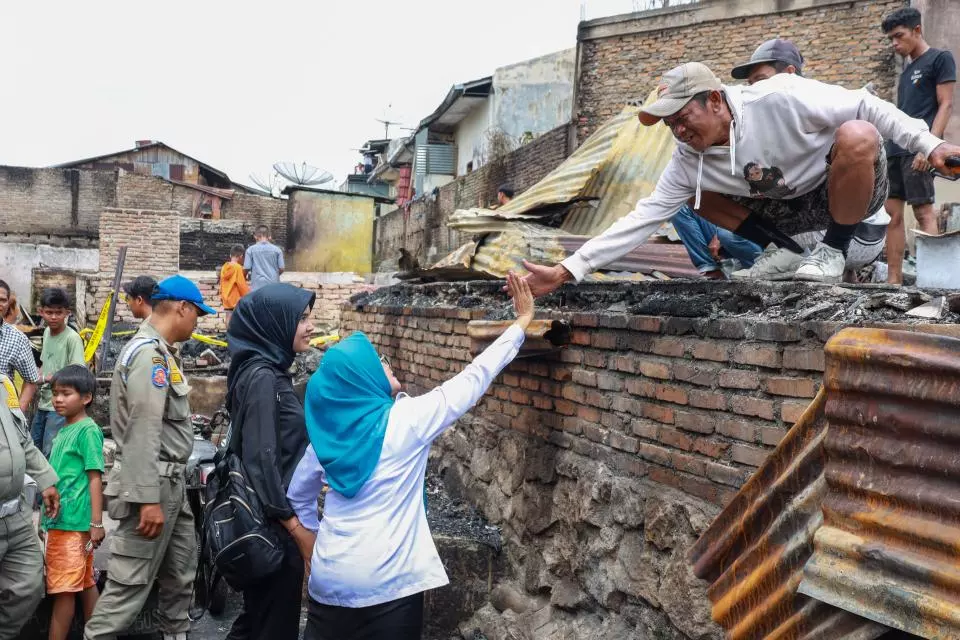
{"x": 543, "y": 280}
{"x": 939, "y": 158}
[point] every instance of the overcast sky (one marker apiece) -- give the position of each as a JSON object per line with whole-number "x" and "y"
{"x": 241, "y": 85}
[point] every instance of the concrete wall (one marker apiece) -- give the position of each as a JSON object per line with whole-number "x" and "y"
{"x": 471, "y": 136}
{"x": 534, "y": 96}
{"x": 330, "y": 232}
{"x": 623, "y": 57}
{"x": 18, "y": 261}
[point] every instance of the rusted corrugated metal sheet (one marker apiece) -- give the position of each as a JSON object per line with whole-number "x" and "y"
{"x": 889, "y": 548}
{"x": 754, "y": 552}
{"x": 604, "y": 178}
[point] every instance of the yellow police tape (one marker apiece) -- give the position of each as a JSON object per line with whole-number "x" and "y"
{"x": 322, "y": 340}
{"x": 98, "y": 330}
{"x": 199, "y": 337}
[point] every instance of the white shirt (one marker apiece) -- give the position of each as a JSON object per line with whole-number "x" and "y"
{"x": 376, "y": 547}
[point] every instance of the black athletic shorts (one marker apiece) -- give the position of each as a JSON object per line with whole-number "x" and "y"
{"x": 913, "y": 187}
{"x": 811, "y": 211}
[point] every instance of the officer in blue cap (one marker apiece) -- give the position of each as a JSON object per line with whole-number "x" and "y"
{"x": 150, "y": 419}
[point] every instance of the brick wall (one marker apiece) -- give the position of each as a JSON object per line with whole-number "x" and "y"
{"x": 421, "y": 227}
{"x": 206, "y": 244}
{"x": 623, "y": 58}
{"x": 603, "y": 462}
{"x": 257, "y": 210}
{"x": 63, "y": 202}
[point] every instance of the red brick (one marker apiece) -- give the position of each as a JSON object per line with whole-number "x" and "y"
{"x": 670, "y": 393}
{"x": 612, "y": 320}
{"x": 654, "y": 369}
{"x": 697, "y": 422}
{"x": 511, "y": 409}
{"x": 612, "y": 421}
{"x": 580, "y": 337}
{"x": 723, "y": 474}
{"x": 588, "y": 320}
{"x": 624, "y": 363}
{"x": 543, "y": 402}
{"x": 609, "y": 382}
{"x": 739, "y": 429}
{"x": 772, "y": 435}
{"x": 761, "y": 355}
{"x": 641, "y": 387}
{"x": 653, "y": 453}
{"x": 594, "y": 432}
{"x": 709, "y": 350}
{"x": 667, "y": 477}
{"x": 790, "y": 411}
{"x": 710, "y": 447}
{"x": 645, "y": 429}
{"x": 776, "y": 331}
{"x": 732, "y": 328}
{"x": 595, "y": 359}
{"x": 794, "y": 387}
{"x": 585, "y": 377}
{"x": 590, "y": 414}
{"x": 571, "y": 356}
{"x": 804, "y": 359}
{"x": 565, "y": 407}
{"x": 597, "y": 399}
{"x": 573, "y": 393}
{"x": 657, "y": 412}
{"x": 675, "y": 439}
{"x": 624, "y": 443}
{"x": 650, "y": 324}
{"x": 530, "y": 384}
{"x": 668, "y": 346}
{"x": 571, "y": 424}
{"x": 739, "y": 379}
{"x": 561, "y": 374}
{"x": 603, "y": 340}
{"x": 707, "y": 399}
{"x": 744, "y": 454}
{"x": 695, "y": 373}
{"x": 749, "y": 406}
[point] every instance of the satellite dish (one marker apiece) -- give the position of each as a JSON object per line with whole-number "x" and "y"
{"x": 272, "y": 184}
{"x": 302, "y": 174}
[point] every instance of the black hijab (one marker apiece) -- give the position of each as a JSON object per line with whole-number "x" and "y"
{"x": 263, "y": 327}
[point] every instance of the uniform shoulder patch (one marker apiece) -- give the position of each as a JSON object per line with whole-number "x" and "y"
{"x": 159, "y": 376}
{"x": 159, "y": 360}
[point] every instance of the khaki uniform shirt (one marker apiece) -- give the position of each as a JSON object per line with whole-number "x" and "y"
{"x": 18, "y": 455}
{"x": 149, "y": 418}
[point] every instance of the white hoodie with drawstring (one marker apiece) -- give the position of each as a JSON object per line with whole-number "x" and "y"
{"x": 786, "y": 122}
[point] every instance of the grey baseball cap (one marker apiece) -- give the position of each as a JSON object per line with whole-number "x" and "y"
{"x": 776, "y": 50}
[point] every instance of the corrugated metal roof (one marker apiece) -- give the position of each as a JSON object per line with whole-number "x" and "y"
{"x": 889, "y": 549}
{"x": 754, "y": 552}
{"x": 614, "y": 168}
{"x": 498, "y": 253}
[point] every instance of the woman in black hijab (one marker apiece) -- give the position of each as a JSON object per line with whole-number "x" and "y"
{"x": 269, "y": 327}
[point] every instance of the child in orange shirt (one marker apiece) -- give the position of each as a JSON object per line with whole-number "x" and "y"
{"x": 233, "y": 283}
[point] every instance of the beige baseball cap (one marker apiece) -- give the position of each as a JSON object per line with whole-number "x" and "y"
{"x": 676, "y": 88}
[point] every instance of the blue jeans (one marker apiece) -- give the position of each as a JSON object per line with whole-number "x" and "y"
{"x": 696, "y": 233}
{"x": 46, "y": 426}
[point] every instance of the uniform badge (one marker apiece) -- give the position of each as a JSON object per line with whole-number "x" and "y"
{"x": 175, "y": 376}
{"x": 159, "y": 376}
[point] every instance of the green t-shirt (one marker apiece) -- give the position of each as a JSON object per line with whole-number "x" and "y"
{"x": 58, "y": 351}
{"x": 78, "y": 448}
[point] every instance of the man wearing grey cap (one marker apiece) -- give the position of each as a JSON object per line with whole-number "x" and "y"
{"x": 770, "y": 58}
{"x": 768, "y": 161}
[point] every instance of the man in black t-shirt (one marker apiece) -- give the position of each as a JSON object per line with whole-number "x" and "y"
{"x": 925, "y": 92}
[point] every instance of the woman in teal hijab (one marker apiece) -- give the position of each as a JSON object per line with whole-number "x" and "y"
{"x": 374, "y": 556}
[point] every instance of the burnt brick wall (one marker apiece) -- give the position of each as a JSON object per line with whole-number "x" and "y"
{"x": 258, "y": 210}
{"x": 54, "y": 201}
{"x": 421, "y": 227}
{"x": 603, "y": 462}
{"x": 841, "y": 43}
{"x": 206, "y": 244}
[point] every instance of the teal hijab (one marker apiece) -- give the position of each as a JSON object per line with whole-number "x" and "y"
{"x": 347, "y": 405}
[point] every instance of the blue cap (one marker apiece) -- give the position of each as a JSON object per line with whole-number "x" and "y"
{"x": 179, "y": 288}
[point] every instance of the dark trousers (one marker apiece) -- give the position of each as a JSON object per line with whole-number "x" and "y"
{"x": 395, "y": 620}
{"x": 271, "y": 609}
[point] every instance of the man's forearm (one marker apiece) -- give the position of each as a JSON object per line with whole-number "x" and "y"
{"x": 939, "y": 125}
{"x": 26, "y": 395}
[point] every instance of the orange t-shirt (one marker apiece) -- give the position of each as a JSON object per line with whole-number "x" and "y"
{"x": 233, "y": 285}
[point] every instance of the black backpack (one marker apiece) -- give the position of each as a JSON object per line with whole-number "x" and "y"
{"x": 238, "y": 541}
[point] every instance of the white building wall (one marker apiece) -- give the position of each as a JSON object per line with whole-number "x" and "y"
{"x": 18, "y": 260}
{"x": 534, "y": 96}
{"x": 470, "y": 136}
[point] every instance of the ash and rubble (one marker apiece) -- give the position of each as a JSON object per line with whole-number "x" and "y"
{"x": 762, "y": 301}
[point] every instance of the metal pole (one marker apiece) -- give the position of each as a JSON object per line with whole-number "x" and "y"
{"x": 108, "y": 333}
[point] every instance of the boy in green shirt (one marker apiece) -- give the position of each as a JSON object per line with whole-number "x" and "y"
{"x": 62, "y": 346}
{"x": 72, "y": 535}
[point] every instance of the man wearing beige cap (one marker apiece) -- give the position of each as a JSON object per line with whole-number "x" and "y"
{"x": 767, "y": 161}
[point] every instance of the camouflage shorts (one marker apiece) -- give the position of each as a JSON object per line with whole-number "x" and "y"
{"x": 811, "y": 211}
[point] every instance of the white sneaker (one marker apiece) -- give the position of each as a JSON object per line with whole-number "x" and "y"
{"x": 825, "y": 264}
{"x": 772, "y": 264}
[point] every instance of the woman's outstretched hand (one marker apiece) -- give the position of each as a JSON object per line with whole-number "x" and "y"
{"x": 519, "y": 290}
